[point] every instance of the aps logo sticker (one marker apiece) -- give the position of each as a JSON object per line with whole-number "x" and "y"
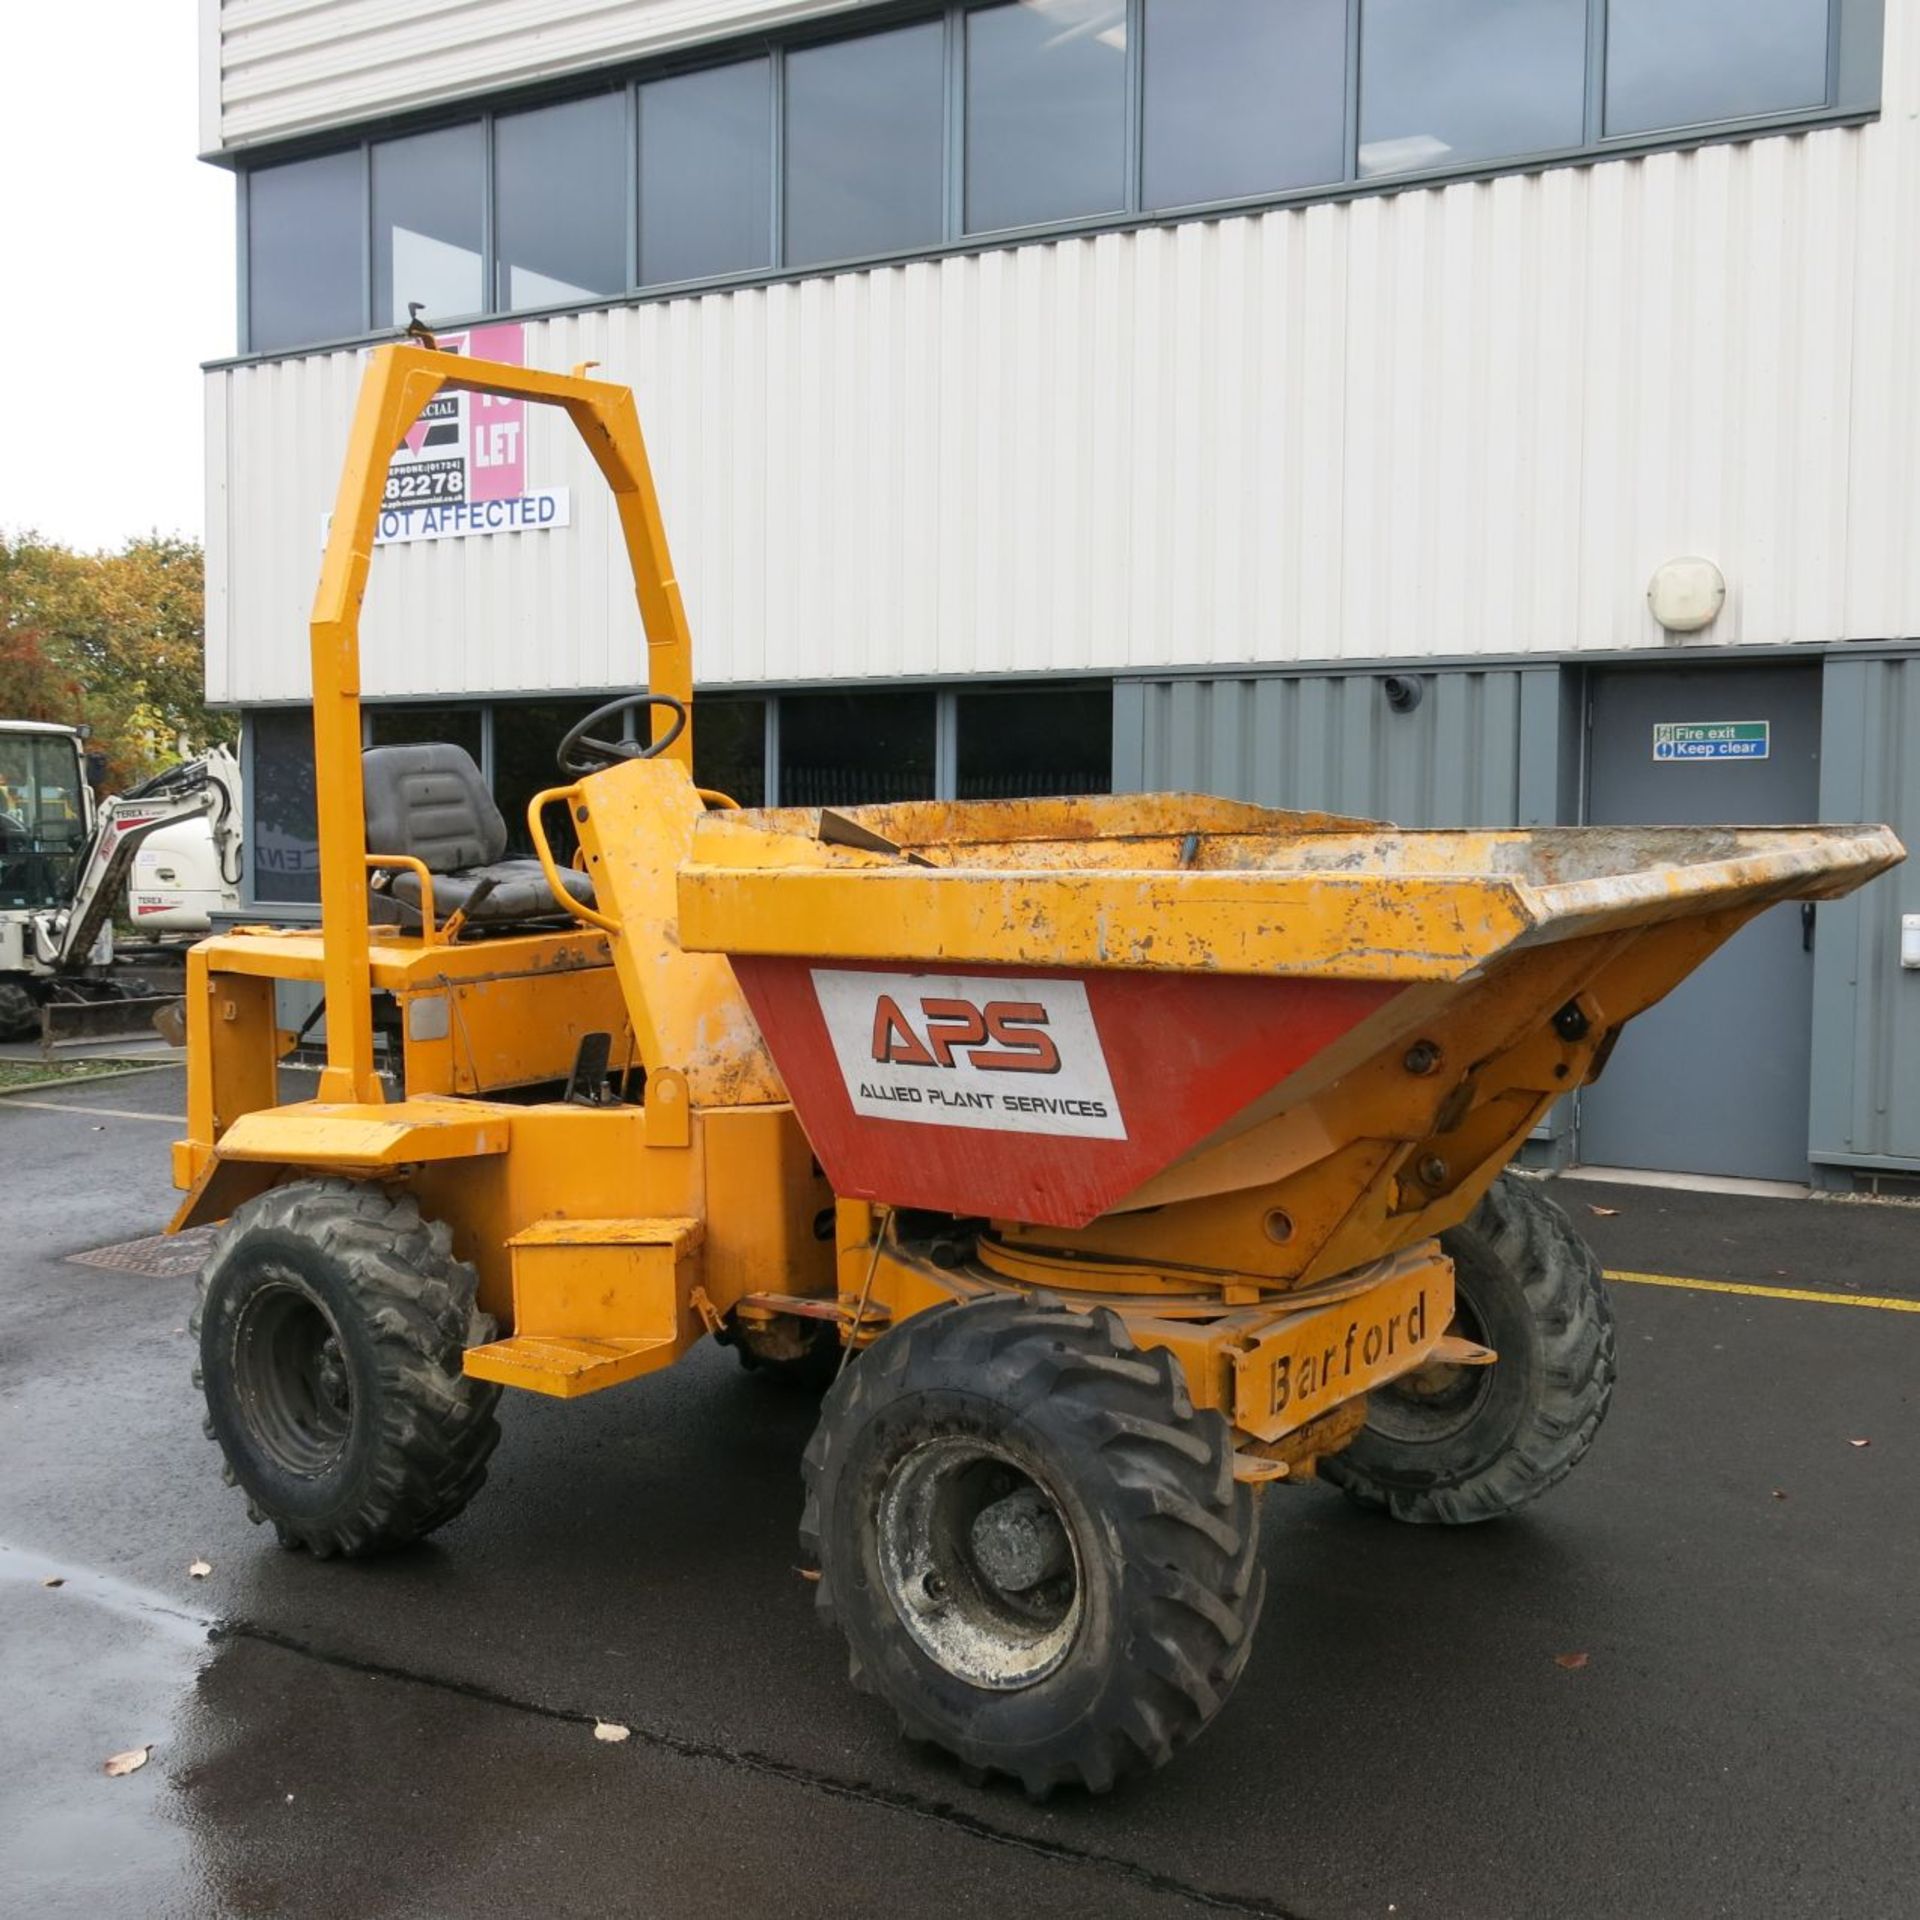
{"x": 958, "y": 1050}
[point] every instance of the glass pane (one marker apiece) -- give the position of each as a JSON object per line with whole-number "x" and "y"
{"x": 1035, "y": 740}
{"x": 1046, "y": 111}
{"x": 730, "y": 748}
{"x": 845, "y": 749}
{"x": 426, "y": 225}
{"x": 283, "y": 851}
{"x": 1671, "y": 63}
{"x": 1243, "y": 97}
{"x": 304, "y": 228}
{"x": 43, "y": 819}
{"x": 410, "y": 726}
{"x": 706, "y": 173}
{"x": 1446, "y": 82}
{"x": 865, "y": 145}
{"x": 525, "y": 737}
{"x": 560, "y": 202}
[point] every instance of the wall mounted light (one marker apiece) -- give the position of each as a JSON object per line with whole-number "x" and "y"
{"x": 1686, "y": 595}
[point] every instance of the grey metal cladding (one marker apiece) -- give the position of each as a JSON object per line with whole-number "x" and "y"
{"x": 1482, "y": 748}
{"x": 1866, "y": 1011}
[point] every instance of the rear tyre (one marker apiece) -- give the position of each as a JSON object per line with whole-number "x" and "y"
{"x": 1452, "y": 1445}
{"x": 332, "y": 1319}
{"x": 19, "y": 1011}
{"x": 1034, "y": 1544}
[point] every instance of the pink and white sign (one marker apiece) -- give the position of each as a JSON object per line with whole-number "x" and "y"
{"x": 463, "y": 468}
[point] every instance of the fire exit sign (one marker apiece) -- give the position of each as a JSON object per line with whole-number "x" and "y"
{"x": 1711, "y": 739}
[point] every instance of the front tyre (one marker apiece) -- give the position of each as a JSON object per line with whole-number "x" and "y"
{"x": 332, "y": 1320}
{"x": 1452, "y": 1445}
{"x": 1034, "y": 1544}
{"x": 19, "y": 1010}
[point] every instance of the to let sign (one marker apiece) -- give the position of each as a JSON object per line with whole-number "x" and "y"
{"x": 1711, "y": 739}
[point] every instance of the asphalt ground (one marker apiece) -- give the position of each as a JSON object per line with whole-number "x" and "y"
{"x": 1415, "y": 1734}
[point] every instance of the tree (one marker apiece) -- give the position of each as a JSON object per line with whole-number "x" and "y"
{"x": 116, "y": 640}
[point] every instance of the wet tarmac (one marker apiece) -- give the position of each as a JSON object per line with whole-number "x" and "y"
{"x": 414, "y": 1735}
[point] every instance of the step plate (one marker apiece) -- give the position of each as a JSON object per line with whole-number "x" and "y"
{"x": 565, "y": 1368}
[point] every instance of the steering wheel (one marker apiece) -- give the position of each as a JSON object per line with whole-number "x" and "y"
{"x": 580, "y": 753}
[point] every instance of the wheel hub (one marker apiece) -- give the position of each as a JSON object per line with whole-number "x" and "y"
{"x": 292, "y": 1378}
{"x": 979, "y": 1562}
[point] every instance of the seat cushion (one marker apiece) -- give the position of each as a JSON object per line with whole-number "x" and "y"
{"x": 429, "y": 801}
{"x": 520, "y": 892}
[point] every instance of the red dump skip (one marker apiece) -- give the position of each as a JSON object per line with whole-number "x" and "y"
{"x": 1026, "y": 1094}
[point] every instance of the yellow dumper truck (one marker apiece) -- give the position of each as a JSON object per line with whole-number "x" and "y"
{"x": 1106, "y": 1160}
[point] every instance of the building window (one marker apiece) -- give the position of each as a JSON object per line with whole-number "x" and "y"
{"x": 866, "y": 145}
{"x": 1015, "y": 742}
{"x": 305, "y": 224}
{"x": 1243, "y": 97}
{"x": 414, "y": 726}
{"x": 730, "y": 747}
{"x": 1046, "y": 112}
{"x": 998, "y": 116}
{"x": 428, "y": 192}
{"x": 1677, "y": 63}
{"x": 1449, "y": 82}
{"x": 706, "y": 173}
{"x": 283, "y": 837}
{"x": 849, "y": 749}
{"x": 526, "y": 737}
{"x": 560, "y": 203}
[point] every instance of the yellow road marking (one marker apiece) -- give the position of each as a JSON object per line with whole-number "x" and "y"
{"x": 1885, "y": 1302}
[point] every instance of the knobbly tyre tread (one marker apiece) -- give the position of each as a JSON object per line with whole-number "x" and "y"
{"x": 416, "y": 1302}
{"x": 19, "y": 1011}
{"x": 1564, "y": 1291}
{"x": 1189, "y": 1585}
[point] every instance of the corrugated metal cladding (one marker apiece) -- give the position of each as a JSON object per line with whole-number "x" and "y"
{"x": 1468, "y": 420}
{"x": 1866, "y": 1051}
{"x": 1479, "y": 750}
{"x": 281, "y": 67}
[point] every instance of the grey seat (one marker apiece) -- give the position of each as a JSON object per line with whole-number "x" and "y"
{"x": 430, "y": 802}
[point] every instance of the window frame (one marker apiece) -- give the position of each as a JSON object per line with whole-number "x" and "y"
{"x": 947, "y": 695}
{"x": 1856, "y": 36}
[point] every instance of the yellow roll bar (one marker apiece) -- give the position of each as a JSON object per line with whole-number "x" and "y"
{"x": 398, "y": 384}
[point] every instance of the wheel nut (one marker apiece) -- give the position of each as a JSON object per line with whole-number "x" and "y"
{"x": 1433, "y": 1171}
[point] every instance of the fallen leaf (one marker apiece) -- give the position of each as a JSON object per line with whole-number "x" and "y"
{"x": 199, "y": 1570}
{"x": 808, "y": 1573}
{"x": 1571, "y": 1661}
{"x": 1605, "y": 1213}
{"x": 129, "y": 1762}
{"x": 611, "y": 1730}
{"x": 56, "y": 1581}
{"x": 1859, "y": 1443}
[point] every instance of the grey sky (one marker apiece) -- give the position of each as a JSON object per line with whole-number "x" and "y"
{"x": 116, "y": 266}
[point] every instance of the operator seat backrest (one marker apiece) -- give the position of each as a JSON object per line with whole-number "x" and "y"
{"x": 430, "y": 802}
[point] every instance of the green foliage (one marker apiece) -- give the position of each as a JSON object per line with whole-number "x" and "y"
{"x": 113, "y": 639}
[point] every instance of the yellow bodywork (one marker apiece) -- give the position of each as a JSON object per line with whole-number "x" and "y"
{"x": 1289, "y": 1259}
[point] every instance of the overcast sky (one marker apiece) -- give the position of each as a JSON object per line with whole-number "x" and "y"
{"x": 116, "y": 270}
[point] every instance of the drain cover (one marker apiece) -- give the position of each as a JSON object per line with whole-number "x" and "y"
{"x": 160, "y": 1256}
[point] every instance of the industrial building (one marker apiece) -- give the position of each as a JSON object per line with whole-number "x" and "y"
{"x": 1467, "y": 412}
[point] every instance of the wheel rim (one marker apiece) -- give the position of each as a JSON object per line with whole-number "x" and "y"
{"x": 979, "y": 1562}
{"x": 1437, "y": 1401}
{"x": 292, "y": 1378}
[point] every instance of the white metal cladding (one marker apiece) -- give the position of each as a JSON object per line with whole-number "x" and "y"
{"x": 271, "y": 68}
{"x": 1467, "y": 420}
